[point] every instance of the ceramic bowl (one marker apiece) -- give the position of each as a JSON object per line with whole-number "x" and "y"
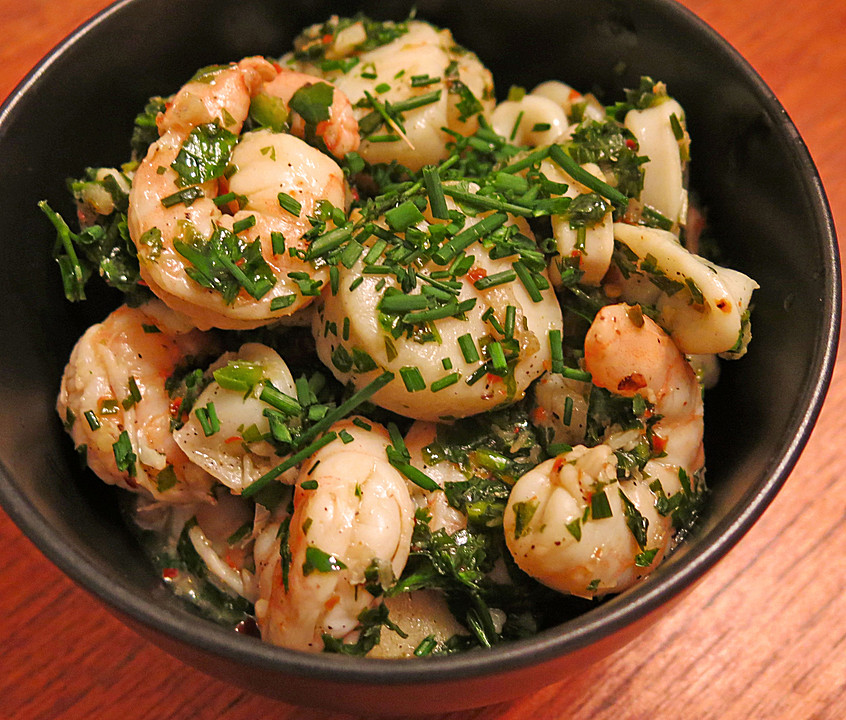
{"x": 750, "y": 169}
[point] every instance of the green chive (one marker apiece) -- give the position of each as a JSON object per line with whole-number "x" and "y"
{"x": 292, "y": 461}
{"x": 445, "y": 381}
{"x": 497, "y": 356}
{"x": 435, "y": 191}
{"x": 499, "y": 278}
{"x": 528, "y": 280}
{"x": 600, "y": 508}
{"x": 556, "y": 351}
{"x": 412, "y": 378}
{"x": 468, "y": 348}
{"x": 244, "y": 224}
{"x": 403, "y": 303}
{"x": 91, "y": 417}
{"x": 282, "y": 301}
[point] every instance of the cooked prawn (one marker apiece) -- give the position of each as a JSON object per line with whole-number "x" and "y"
{"x": 115, "y": 405}
{"x": 550, "y": 523}
{"x": 172, "y": 218}
{"x": 352, "y": 512}
{"x": 339, "y": 132}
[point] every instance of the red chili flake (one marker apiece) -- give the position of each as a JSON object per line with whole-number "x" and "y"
{"x": 659, "y": 444}
{"x": 327, "y": 38}
{"x": 558, "y": 464}
{"x": 233, "y": 439}
{"x": 574, "y": 95}
{"x": 575, "y": 253}
{"x": 169, "y": 573}
{"x": 539, "y": 414}
{"x": 494, "y": 378}
{"x": 476, "y": 273}
{"x": 631, "y": 383}
{"x": 174, "y": 406}
{"x": 631, "y": 144}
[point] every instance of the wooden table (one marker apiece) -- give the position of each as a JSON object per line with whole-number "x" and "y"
{"x": 780, "y": 653}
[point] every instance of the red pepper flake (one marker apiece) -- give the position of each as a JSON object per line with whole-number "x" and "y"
{"x": 539, "y": 414}
{"x": 327, "y": 38}
{"x": 631, "y": 144}
{"x": 659, "y": 444}
{"x": 558, "y": 464}
{"x": 233, "y": 439}
{"x": 174, "y": 406}
{"x": 476, "y": 273}
{"x": 169, "y": 573}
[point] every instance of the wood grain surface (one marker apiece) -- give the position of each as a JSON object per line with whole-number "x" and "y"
{"x": 762, "y": 636}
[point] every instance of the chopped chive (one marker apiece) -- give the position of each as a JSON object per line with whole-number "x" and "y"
{"x": 567, "y": 417}
{"x": 289, "y": 203}
{"x": 579, "y": 174}
{"x": 91, "y": 417}
{"x": 186, "y": 195}
{"x": 346, "y": 438}
{"x": 292, "y": 461}
{"x": 498, "y": 362}
{"x": 403, "y": 303}
{"x": 468, "y": 348}
{"x": 278, "y": 428}
{"x": 134, "y": 394}
{"x": 516, "y": 126}
{"x": 347, "y": 406}
{"x": 435, "y": 191}
{"x": 329, "y": 241}
{"x": 351, "y": 253}
{"x": 575, "y": 374}
{"x": 228, "y": 198}
{"x": 417, "y": 476}
{"x": 240, "y": 533}
{"x": 445, "y": 381}
{"x": 528, "y": 280}
{"x": 467, "y": 237}
{"x": 375, "y": 252}
{"x": 438, "y": 313}
{"x": 486, "y": 202}
{"x": 477, "y": 374}
{"x": 403, "y": 216}
{"x": 412, "y": 378}
{"x": 556, "y": 351}
{"x": 499, "y": 278}
{"x": 124, "y": 456}
{"x": 447, "y": 363}
{"x": 423, "y": 80}
{"x": 243, "y": 224}
{"x": 282, "y": 301}
{"x": 530, "y": 159}
{"x": 489, "y": 317}
{"x": 426, "y": 646}
{"x": 510, "y": 319}
{"x": 358, "y": 422}
{"x": 280, "y": 400}
{"x": 277, "y": 241}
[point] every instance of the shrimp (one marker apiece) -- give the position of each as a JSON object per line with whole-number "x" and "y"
{"x": 571, "y": 522}
{"x": 115, "y": 405}
{"x": 352, "y": 516}
{"x": 339, "y": 132}
{"x": 233, "y": 266}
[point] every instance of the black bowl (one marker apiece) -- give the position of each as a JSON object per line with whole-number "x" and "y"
{"x": 750, "y": 169}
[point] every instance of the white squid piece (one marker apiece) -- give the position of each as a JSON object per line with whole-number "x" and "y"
{"x": 663, "y": 175}
{"x": 707, "y": 314}
{"x": 225, "y": 454}
{"x": 347, "y": 326}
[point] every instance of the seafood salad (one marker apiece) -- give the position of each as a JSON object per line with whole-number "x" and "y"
{"x": 401, "y": 369}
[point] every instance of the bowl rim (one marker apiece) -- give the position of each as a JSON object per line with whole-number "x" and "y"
{"x": 550, "y": 644}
